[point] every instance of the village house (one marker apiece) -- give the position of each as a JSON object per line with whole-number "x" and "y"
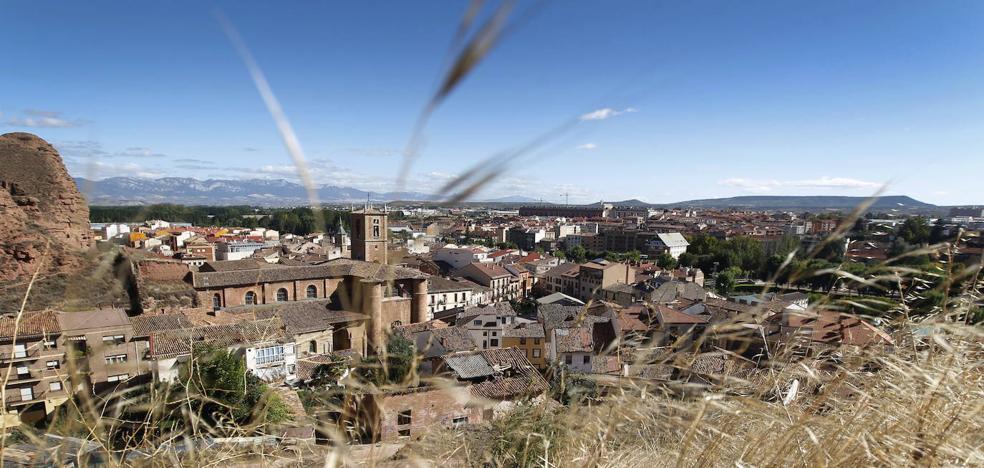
{"x": 481, "y": 386}
{"x": 587, "y": 280}
{"x": 486, "y": 324}
{"x": 530, "y": 339}
{"x": 448, "y": 293}
{"x": 263, "y": 344}
{"x": 504, "y": 285}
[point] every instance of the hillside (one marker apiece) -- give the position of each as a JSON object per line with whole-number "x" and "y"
{"x": 253, "y": 192}
{"x": 810, "y": 203}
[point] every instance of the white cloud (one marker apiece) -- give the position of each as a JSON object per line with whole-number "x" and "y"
{"x": 760, "y": 186}
{"x": 94, "y": 169}
{"x": 587, "y": 146}
{"x": 94, "y": 149}
{"x": 43, "y": 119}
{"x": 606, "y": 113}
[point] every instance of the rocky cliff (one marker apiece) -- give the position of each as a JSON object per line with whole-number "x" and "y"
{"x": 39, "y": 205}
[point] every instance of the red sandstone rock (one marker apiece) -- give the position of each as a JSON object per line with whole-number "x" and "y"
{"x": 39, "y": 203}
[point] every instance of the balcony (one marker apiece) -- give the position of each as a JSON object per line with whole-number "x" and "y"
{"x": 15, "y": 356}
{"x": 16, "y": 378}
{"x": 16, "y": 399}
{"x": 30, "y": 355}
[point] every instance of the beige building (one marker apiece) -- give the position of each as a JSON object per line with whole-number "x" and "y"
{"x": 52, "y": 355}
{"x": 587, "y": 280}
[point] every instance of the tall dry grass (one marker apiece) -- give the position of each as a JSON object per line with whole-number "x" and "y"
{"x": 917, "y": 404}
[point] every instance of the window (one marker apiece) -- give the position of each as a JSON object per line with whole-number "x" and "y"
{"x": 312, "y": 292}
{"x": 50, "y": 344}
{"x": 522, "y": 341}
{"x": 536, "y": 352}
{"x": 54, "y": 386}
{"x": 23, "y": 371}
{"x": 20, "y": 351}
{"x": 250, "y": 298}
{"x": 281, "y": 295}
{"x": 313, "y": 347}
{"x": 494, "y": 342}
{"x": 53, "y": 365}
{"x": 270, "y": 354}
{"x": 536, "y": 341}
{"x": 459, "y": 421}
{"x": 375, "y": 231}
{"x": 403, "y": 418}
{"x": 404, "y": 433}
{"x": 113, "y": 339}
{"x": 568, "y": 359}
{"x": 587, "y": 359}
{"x": 117, "y": 378}
{"x": 216, "y": 302}
{"x": 115, "y": 358}
{"x": 477, "y": 322}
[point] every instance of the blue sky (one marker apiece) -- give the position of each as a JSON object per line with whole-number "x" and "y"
{"x": 698, "y": 99}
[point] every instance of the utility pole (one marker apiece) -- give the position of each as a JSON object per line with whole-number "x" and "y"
{"x": 567, "y": 198}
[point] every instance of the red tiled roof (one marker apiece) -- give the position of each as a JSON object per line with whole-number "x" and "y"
{"x": 674, "y": 317}
{"x": 32, "y": 324}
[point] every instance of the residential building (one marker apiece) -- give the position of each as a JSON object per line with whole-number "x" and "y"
{"x": 459, "y": 257}
{"x": 445, "y": 294}
{"x": 268, "y": 352}
{"x": 503, "y": 284}
{"x": 236, "y": 250}
{"x": 530, "y": 339}
{"x": 33, "y": 367}
{"x": 568, "y": 211}
{"x": 526, "y": 238}
{"x": 486, "y": 324}
{"x": 105, "y": 338}
{"x": 672, "y": 243}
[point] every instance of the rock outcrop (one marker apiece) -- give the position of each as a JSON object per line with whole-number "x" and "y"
{"x": 39, "y": 206}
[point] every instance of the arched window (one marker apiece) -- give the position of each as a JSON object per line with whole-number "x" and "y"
{"x": 312, "y": 292}
{"x": 216, "y": 301}
{"x": 313, "y": 347}
{"x": 281, "y": 295}
{"x": 250, "y": 298}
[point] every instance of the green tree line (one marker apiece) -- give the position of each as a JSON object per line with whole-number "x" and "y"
{"x": 300, "y": 221}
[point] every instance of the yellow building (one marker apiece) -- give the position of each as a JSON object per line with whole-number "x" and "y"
{"x": 530, "y": 338}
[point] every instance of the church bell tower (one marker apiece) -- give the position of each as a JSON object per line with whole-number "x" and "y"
{"x": 369, "y": 234}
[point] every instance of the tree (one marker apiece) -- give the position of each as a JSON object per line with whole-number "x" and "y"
{"x": 327, "y": 374}
{"x": 938, "y": 233}
{"x": 915, "y": 230}
{"x": 632, "y": 256}
{"x": 688, "y": 259}
{"x": 395, "y": 369}
{"x": 222, "y": 390}
{"x": 578, "y": 254}
{"x": 560, "y": 254}
{"x": 726, "y": 280}
{"x": 666, "y": 261}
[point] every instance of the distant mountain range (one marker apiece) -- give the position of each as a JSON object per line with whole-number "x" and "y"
{"x": 189, "y": 191}
{"x": 279, "y": 192}
{"x": 781, "y": 202}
